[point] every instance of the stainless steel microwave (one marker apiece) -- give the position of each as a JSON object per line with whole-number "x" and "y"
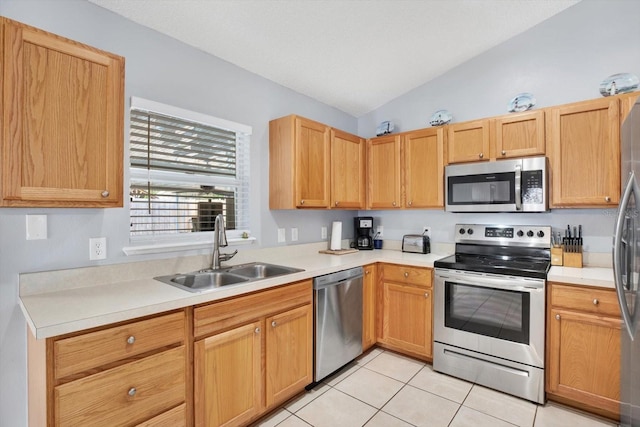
{"x": 516, "y": 185}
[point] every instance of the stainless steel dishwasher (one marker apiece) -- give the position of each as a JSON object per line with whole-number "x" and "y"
{"x": 338, "y": 320}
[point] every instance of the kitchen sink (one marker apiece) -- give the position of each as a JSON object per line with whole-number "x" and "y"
{"x": 211, "y": 279}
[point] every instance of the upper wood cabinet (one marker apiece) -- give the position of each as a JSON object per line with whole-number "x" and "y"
{"x": 583, "y": 145}
{"x": 383, "y": 172}
{"x": 519, "y": 134}
{"x": 62, "y": 121}
{"x": 423, "y": 160}
{"x": 468, "y": 141}
{"x": 348, "y": 174}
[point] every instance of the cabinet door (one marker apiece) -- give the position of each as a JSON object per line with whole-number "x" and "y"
{"x": 519, "y": 135}
{"x": 62, "y": 121}
{"x": 289, "y": 354}
{"x": 584, "y": 358}
{"x": 583, "y": 143}
{"x": 228, "y": 377}
{"x": 406, "y": 318}
{"x": 369, "y": 306}
{"x": 468, "y": 141}
{"x": 383, "y": 172}
{"x": 424, "y": 168}
{"x": 312, "y": 164}
{"x": 347, "y": 170}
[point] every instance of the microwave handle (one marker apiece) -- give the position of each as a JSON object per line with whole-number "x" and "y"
{"x": 518, "y": 188}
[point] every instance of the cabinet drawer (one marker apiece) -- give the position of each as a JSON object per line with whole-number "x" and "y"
{"x": 591, "y": 300}
{"x": 80, "y": 353}
{"x": 405, "y": 274}
{"x": 176, "y": 417}
{"x": 219, "y": 316}
{"x": 125, "y": 395}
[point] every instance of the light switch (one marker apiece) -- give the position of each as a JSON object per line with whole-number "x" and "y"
{"x": 36, "y": 227}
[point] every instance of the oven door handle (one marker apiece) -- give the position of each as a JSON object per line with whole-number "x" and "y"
{"x": 518, "y": 188}
{"x": 509, "y": 284}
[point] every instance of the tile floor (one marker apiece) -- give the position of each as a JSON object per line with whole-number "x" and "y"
{"x": 384, "y": 389}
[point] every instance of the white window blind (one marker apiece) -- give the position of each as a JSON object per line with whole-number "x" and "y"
{"x": 186, "y": 168}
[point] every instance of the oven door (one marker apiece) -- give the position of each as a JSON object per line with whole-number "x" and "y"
{"x": 500, "y": 316}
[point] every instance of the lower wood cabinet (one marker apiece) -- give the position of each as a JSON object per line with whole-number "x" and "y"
{"x": 583, "y": 348}
{"x": 369, "y": 306}
{"x": 405, "y": 309}
{"x": 252, "y": 353}
{"x": 130, "y": 374}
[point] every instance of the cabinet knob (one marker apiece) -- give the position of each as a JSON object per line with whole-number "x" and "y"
{"x": 406, "y": 274}
{"x": 426, "y": 294}
{"x": 132, "y": 391}
{"x": 257, "y": 330}
{"x": 393, "y": 204}
{"x": 410, "y": 203}
{"x": 105, "y": 193}
{"x": 337, "y": 203}
{"x": 481, "y": 155}
{"x": 504, "y": 153}
{"x": 302, "y": 202}
{"x": 595, "y": 301}
{"x": 557, "y": 317}
{"x": 367, "y": 272}
{"x": 131, "y": 339}
{"x": 274, "y": 324}
{"x": 607, "y": 199}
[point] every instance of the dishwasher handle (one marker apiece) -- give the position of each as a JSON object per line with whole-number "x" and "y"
{"x": 321, "y": 282}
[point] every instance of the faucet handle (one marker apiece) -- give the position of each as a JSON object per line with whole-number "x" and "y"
{"x": 227, "y": 257}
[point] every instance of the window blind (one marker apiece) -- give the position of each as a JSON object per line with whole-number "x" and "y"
{"x": 185, "y": 172}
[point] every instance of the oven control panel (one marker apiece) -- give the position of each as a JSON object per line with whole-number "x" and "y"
{"x": 505, "y": 235}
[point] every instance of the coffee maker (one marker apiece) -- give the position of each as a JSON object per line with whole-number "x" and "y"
{"x": 364, "y": 228}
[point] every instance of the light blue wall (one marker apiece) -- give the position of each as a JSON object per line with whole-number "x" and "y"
{"x": 561, "y": 60}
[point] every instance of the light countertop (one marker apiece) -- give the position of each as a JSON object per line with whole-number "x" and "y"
{"x": 65, "y": 301}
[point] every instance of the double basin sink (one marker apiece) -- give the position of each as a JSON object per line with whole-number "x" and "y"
{"x": 210, "y": 279}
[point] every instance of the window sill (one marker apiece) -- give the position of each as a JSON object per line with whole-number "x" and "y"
{"x": 158, "y": 248}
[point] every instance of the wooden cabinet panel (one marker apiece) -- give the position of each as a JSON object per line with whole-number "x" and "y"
{"x": 407, "y": 318}
{"x": 520, "y": 134}
{"x": 289, "y": 354}
{"x": 124, "y": 395}
{"x": 90, "y": 350}
{"x": 312, "y": 164}
{"x": 583, "y": 144}
{"x": 369, "y": 306}
{"x": 586, "y": 299}
{"x": 584, "y": 359}
{"x": 175, "y": 417}
{"x": 348, "y": 185}
{"x": 423, "y": 161}
{"x": 62, "y": 124}
{"x": 468, "y": 141}
{"x": 406, "y": 274}
{"x": 383, "y": 172}
{"x": 228, "y": 377}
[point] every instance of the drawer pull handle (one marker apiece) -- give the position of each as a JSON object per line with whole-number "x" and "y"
{"x": 406, "y": 274}
{"x": 337, "y": 203}
{"x": 481, "y": 155}
{"x": 504, "y": 153}
{"x": 557, "y": 317}
{"x": 257, "y": 330}
{"x": 302, "y": 202}
{"x": 367, "y": 272}
{"x": 131, "y": 340}
{"x": 132, "y": 391}
{"x": 393, "y": 204}
{"x": 596, "y": 302}
{"x": 426, "y": 294}
{"x": 274, "y": 324}
{"x": 607, "y": 199}
{"x": 105, "y": 193}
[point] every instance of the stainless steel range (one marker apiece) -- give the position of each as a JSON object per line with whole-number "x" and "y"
{"x": 489, "y": 308}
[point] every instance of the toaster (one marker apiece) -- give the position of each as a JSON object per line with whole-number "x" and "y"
{"x": 416, "y": 243}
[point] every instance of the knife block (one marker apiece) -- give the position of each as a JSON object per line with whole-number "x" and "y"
{"x": 556, "y": 256}
{"x": 572, "y": 259}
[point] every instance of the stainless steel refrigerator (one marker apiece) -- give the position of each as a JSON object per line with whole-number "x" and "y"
{"x": 626, "y": 266}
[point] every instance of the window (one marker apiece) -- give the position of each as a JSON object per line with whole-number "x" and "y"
{"x": 186, "y": 168}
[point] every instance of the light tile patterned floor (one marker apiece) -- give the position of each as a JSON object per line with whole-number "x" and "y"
{"x": 384, "y": 389}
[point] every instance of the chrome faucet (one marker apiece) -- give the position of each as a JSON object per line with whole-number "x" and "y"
{"x": 219, "y": 240}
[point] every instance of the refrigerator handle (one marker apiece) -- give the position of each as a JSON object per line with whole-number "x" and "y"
{"x": 631, "y": 188}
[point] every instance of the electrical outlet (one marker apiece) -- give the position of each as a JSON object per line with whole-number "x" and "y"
{"x": 282, "y": 236}
{"x": 380, "y": 231}
{"x": 426, "y": 231}
{"x": 97, "y": 248}
{"x": 323, "y": 233}
{"x": 294, "y": 234}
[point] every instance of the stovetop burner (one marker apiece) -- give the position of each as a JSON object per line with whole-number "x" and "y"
{"x": 508, "y": 250}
